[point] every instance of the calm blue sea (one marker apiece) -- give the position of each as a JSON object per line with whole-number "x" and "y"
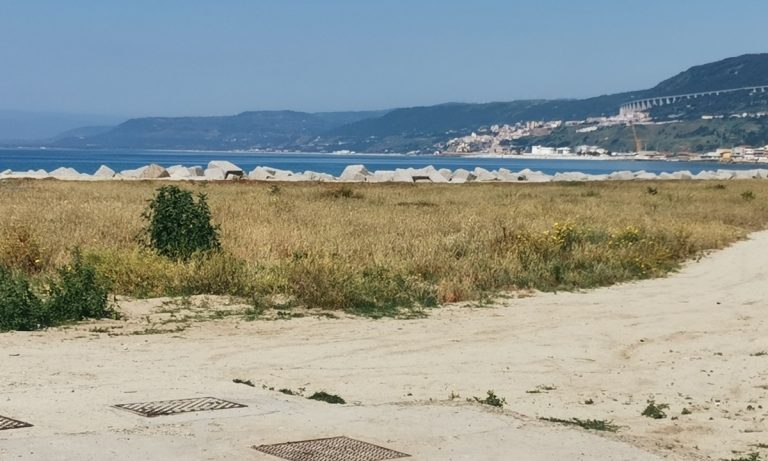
{"x": 87, "y": 161}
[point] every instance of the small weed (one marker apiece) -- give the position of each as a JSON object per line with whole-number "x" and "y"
{"x": 655, "y": 411}
{"x": 288, "y": 392}
{"x": 591, "y": 193}
{"x": 685, "y": 411}
{"x": 719, "y": 186}
{"x": 343, "y": 192}
{"x": 247, "y": 382}
{"x": 589, "y": 402}
{"x": 492, "y": 399}
{"x": 589, "y": 424}
{"x": 760, "y": 445}
{"x": 274, "y": 189}
{"x": 652, "y": 190}
{"x": 100, "y": 330}
{"x": 541, "y": 388}
{"x": 759, "y": 354}
{"x": 418, "y": 204}
{"x": 327, "y": 398}
{"x": 160, "y": 331}
{"x": 750, "y": 457}
{"x": 454, "y": 396}
{"x": 286, "y": 315}
{"x": 748, "y": 195}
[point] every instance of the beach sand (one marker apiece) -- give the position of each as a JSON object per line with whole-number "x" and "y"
{"x": 692, "y": 340}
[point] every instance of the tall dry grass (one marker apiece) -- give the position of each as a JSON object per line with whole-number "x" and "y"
{"x": 376, "y": 247}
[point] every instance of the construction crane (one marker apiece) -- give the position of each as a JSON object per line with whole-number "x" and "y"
{"x": 638, "y": 141}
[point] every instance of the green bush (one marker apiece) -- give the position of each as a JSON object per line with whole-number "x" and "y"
{"x": 78, "y": 294}
{"x": 178, "y": 226}
{"x": 20, "y": 308}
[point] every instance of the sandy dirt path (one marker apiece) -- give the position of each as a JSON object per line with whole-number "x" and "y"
{"x": 693, "y": 341}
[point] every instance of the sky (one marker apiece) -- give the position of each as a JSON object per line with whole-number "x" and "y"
{"x": 214, "y": 57}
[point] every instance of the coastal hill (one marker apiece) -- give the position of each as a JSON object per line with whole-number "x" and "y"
{"x": 421, "y": 128}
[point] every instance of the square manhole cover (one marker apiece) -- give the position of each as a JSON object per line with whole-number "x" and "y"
{"x": 333, "y": 449}
{"x": 8, "y": 423}
{"x": 174, "y": 407}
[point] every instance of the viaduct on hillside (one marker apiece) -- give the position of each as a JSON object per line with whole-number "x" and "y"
{"x": 643, "y": 105}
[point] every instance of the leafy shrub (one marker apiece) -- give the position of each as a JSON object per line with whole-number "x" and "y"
{"x": 20, "y": 308}
{"x": 178, "y": 226}
{"x": 655, "y": 411}
{"x": 492, "y": 399}
{"x": 79, "y": 293}
{"x": 327, "y": 398}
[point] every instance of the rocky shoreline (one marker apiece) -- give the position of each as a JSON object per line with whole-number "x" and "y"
{"x": 218, "y": 170}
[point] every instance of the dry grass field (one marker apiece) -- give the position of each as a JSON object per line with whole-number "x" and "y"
{"x": 375, "y": 249}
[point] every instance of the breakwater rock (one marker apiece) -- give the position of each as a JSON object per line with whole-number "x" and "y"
{"x": 222, "y": 170}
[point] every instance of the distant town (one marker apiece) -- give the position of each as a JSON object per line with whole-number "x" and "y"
{"x": 504, "y": 140}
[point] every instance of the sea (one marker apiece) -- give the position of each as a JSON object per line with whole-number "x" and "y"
{"x": 88, "y": 161}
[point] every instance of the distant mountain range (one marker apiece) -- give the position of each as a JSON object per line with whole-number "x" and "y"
{"x": 420, "y": 129}
{"x": 42, "y": 127}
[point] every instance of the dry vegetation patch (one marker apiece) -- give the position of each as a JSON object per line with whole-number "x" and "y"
{"x": 376, "y": 249}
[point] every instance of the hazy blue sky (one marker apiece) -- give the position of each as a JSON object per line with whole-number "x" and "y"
{"x": 185, "y": 57}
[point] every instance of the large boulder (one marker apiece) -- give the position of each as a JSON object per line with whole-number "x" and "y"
{"x": 666, "y": 176}
{"x": 283, "y": 175}
{"x": 705, "y": 175}
{"x": 230, "y": 170}
{"x": 483, "y": 175}
{"x": 355, "y": 173}
{"x": 621, "y": 176}
{"x": 6, "y": 173}
{"x": 506, "y": 175}
{"x": 214, "y": 174}
{"x": 382, "y": 176}
{"x": 537, "y": 176}
{"x": 104, "y": 172}
{"x": 65, "y": 173}
{"x": 533, "y": 176}
{"x": 746, "y": 174}
{"x": 723, "y": 175}
{"x": 131, "y": 174}
{"x": 597, "y": 177}
{"x": 403, "y": 175}
{"x": 182, "y": 172}
{"x": 570, "y": 176}
{"x": 462, "y": 176}
{"x": 261, "y": 173}
{"x": 428, "y": 174}
{"x": 153, "y": 171}
{"x": 684, "y": 175}
{"x": 645, "y": 176}
{"x": 445, "y": 173}
{"x": 317, "y": 177}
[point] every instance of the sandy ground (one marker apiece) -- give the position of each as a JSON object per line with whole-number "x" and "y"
{"x": 693, "y": 340}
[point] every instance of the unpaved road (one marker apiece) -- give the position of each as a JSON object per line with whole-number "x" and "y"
{"x": 693, "y": 341}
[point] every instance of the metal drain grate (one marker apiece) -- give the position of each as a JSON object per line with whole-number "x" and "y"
{"x": 333, "y": 449}
{"x": 8, "y": 423}
{"x": 174, "y": 407}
